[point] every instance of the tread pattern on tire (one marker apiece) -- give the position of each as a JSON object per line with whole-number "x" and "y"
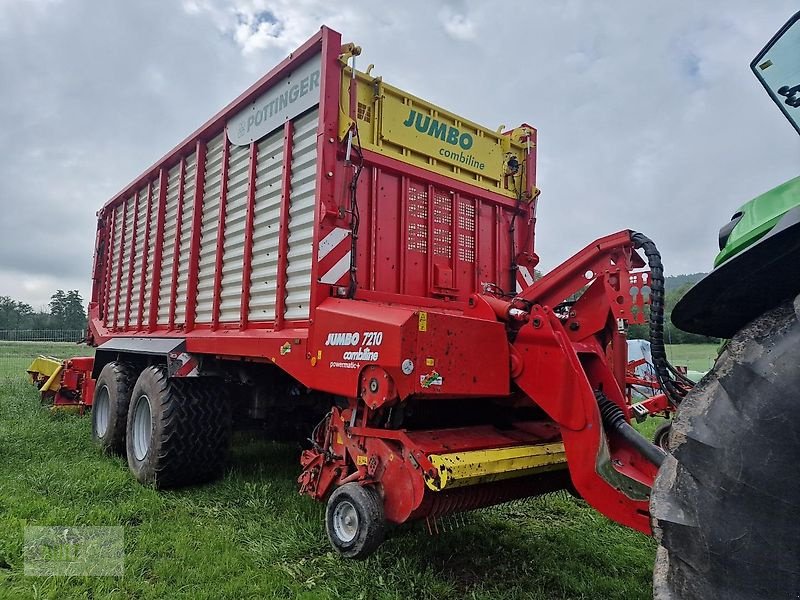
{"x": 725, "y": 504}
{"x": 192, "y": 430}
{"x": 120, "y": 377}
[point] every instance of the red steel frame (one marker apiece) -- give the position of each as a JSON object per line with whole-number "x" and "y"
{"x": 145, "y": 254}
{"x": 102, "y": 280}
{"x": 490, "y": 200}
{"x": 132, "y": 261}
{"x": 283, "y": 232}
{"x": 155, "y": 279}
{"x": 220, "y": 249}
{"x": 326, "y": 182}
{"x": 194, "y": 251}
{"x": 559, "y": 384}
{"x": 124, "y": 221}
{"x": 247, "y": 259}
{"x": 557, "y": 365}
{"x": 176, "y": 251}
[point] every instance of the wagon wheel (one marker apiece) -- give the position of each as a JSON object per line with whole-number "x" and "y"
{"x": 178, "y": 430}
{"x": 661, "y": 436}
{"x": 112, "y": 395}
{"x": 354, "y": 520}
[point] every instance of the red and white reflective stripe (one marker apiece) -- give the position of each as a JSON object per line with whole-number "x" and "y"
{"x": 524, "y": 278}
{"x": 333, "y": 256}
{"x": 190, "y": 366}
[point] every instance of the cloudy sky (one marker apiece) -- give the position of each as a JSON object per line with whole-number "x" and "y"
{"x": 648, "y": 115}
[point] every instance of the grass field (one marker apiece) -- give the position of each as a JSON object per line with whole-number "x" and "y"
{"x": 250, "y": 535}
{"x": 15, "y": 357}
{"x": 698, "y": 357}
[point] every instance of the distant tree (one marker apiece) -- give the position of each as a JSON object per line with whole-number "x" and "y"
{"x": 66, "y": 310}
{"x": 672, "y": 335}
{"x": 41, "y": 320}
{"x": 679, "y": 281}
{"x": 640, "y": 332}
{"x": 13, "y": 314}
{"x": 58, "y": 309}
{"x": 25, "y": 312}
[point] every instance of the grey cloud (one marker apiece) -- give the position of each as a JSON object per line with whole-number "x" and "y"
{"x": 648, "y": 116}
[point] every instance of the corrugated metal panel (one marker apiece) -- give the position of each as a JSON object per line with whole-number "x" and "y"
{"x": 141, "y": 225}
{"x": 301, "y": 216}
{"x": 266, "y": 224}
{"x": 186, "y": 236}
{"x": 208, "y": 230}
{"x": 444, "y": 243}
{"x": 114, "y": 281}
{"x": 233, "y": 249}
{"x": 126, "y": 261}
{"x": 168, "y": 250}
{"x": 151, "y": 252}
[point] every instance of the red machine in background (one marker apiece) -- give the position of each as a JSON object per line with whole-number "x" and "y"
{"x": 64, "y": 383}
{"x": 332, "y": 256}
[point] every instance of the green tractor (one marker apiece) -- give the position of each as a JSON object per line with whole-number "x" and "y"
{"x": 726, "y": 503}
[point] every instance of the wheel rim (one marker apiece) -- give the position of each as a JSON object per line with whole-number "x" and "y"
{"x": 102, "y": 409}
{"x": 662, "y": 440}
{"x": 142, "y": 427}
{"x": 345, "y": 521}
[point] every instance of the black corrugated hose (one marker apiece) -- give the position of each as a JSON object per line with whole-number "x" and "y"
{"x": 614, "y": 418}
{"x": 674, "y": 384}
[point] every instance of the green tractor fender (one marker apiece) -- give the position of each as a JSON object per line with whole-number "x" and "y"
{"x": 757, "y": 268}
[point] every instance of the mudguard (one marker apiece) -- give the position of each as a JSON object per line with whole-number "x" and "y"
{"x": 750, "y": 283}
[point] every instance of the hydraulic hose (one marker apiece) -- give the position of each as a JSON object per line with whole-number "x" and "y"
{"x": 614, "y": 420}
{"x": 663, "y": 369}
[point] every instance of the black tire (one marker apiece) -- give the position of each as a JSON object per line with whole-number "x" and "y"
{"x": 189, "y": 429}
{"x": 726, "y": 502}
{"x": 355, "y": 521}
{"x": 112, "y": 396}
{"x": 661, "y": 436}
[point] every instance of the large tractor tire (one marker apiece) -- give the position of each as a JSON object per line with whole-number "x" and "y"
{"x": 112, "y": 395}
{"x": 178, "y": 431}
{"x": 726, "y": 502}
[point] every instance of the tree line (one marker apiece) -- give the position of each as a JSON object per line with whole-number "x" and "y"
{"x": 66, "y": 311}
{"x": 675, "y": 286}
{"x": 672, "y": 335}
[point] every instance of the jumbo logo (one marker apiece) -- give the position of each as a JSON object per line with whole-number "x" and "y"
{"x": 343, "y": 339}
{"x": 443, "y": 131}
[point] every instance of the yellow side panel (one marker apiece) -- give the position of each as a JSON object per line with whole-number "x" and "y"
{"x": 481, "y": 466}
{"x": 407, "y": 128}
{"x": 48, "y": 371}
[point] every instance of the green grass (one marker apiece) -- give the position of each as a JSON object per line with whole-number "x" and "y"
{"x": 15, "y": 357}
{"x": 250, "y": 535}
{"x": 698, "y": 357}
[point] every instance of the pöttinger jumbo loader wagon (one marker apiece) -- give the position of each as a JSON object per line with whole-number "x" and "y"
{"x": 333, "y": 256}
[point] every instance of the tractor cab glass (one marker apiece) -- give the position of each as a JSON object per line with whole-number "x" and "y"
{"x": 777, "y": 67}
